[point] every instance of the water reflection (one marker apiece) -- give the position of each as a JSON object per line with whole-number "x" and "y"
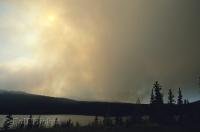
{"x": 50, "y": 119}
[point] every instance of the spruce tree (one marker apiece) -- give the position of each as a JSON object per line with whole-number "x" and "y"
{"x": 36, "y": 124}
{"x": 96, "y": 122}
{"x": 152, "y": 97}
{"x": 188, "y": 101}
{"x": 180, "y": 97}
{"x": 138, "y": 101}
{"x": 30, "y": 122}
{"x": 185, "y": 101}
{"x": 170, "y": 97}
{"x": 8, "y": 122}
{"x": 158, "y": 95}
{"x": 56, "y": 124}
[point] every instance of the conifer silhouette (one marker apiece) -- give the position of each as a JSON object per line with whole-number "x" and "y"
{"x": 138, "y": 101}
{"x": 56, "y": 123}
{"x": 30, "y": 122}
{"x": 180, "y": 97}
{"x": 8, "y": 122}
{"x": 152, "y": 99}
{"x": 158, "y": 95}
{"x": 170, "y": 97}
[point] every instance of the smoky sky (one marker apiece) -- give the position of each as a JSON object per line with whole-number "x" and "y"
{"x": 107, "y": 50}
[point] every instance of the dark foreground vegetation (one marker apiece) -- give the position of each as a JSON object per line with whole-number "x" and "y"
{"x": 174, "y": 116}
{"x": 131, "y": 129}
{"x": 116, "y": 124}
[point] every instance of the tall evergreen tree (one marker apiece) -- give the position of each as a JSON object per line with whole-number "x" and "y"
{"x": 96, "y": 121}
{"x": 185, "y": 101}
{"x": 158, "y": 95}
{"x": 180, "y": 97}
{"x": 188, "y": 101}
{"x": 30, "y": 122}
{"x": 36, "y": 124}
{"x": 138, "y": 101}
{"x": 56, "y": 124}
{"x": 170, "y": 97}
{"x": 152, "y": 97}
{"x": 8, "y": 122}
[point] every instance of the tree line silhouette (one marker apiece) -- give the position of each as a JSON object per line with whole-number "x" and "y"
{"x": 174, "y": 113}
{"x": 157, "y": 96}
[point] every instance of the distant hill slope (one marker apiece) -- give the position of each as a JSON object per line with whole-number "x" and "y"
{"x": 195, "y": 102}
{"x": 24, "y": 97}
{"x": 24, "y": 103}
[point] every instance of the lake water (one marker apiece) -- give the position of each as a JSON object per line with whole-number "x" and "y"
{"x": 50, "y": 119}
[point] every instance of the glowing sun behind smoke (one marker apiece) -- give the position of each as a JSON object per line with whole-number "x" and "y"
{"x": 51, "y": 18}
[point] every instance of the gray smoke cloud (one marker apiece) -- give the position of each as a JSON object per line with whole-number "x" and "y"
{"x": 113, "y": 50}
